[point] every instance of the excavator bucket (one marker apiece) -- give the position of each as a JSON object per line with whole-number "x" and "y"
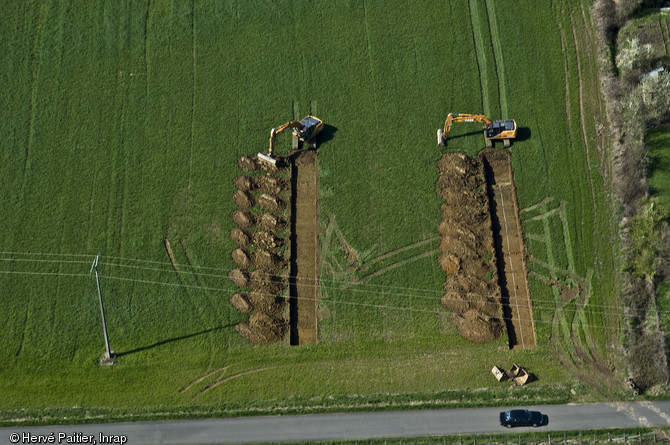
{"x": 267, "y": 158}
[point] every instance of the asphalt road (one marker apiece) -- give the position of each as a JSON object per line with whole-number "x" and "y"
{"x": 346, "y": 426}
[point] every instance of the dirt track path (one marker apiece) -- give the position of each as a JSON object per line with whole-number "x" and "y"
{"x": 517, "y": 308}
{"x": 304, "y": 270}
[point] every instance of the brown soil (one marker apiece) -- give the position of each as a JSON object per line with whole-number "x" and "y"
{"x": 271, "y": 185}
{"x": 304, "y": 288}
{"x": 267, "y": 302}
{"x": 510, "y": 252}
{"x": 239, "y": 277}
{"x": 240, "y": 301}
{"x": 270, "y": 203}
{"x": 271, "y": 223}
{"x": 473, "y": 294}
{"x": 267, "y": 282}
{"x": 247, "y": 164}
{"x": 477, "y": 327}
{"x": 258, "y": 249}
{"x": 268, "y": 262}
{"x": 241, "y": 258}
{"x": 240, "y": 237}
{"x": 243, "y": 199}
{"x": 267, "y": 241}
{"x": 244, "y": 183}
{"x": 262, "y": 328}
{"x": 243, "y": 218}
{"x": 449, "y": 263}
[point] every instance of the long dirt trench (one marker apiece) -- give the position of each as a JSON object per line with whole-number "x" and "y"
{"x": 304, "y": 271}
{"x": 508, "y": 240}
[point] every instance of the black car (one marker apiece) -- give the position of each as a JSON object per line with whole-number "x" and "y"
{"x": 521, "y": 417}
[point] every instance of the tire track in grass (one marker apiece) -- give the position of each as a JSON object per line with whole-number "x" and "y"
{"x": 34, "y": 85}
{"x": 146, "y": 52}
{"x": 581, "y": 115}
{"x": 372, "y": 71}
{"x": 479, "y": 53}
{"x": 566, "y": 77}
{"x": 497, "y": 57}
{"x": 193, "y": 83}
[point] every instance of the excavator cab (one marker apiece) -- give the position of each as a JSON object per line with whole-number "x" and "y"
{"x": 500, "y": 130}
{"x": 310, "y": 127}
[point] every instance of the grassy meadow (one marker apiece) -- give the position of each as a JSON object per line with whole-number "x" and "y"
{"x": 121, "y": 125}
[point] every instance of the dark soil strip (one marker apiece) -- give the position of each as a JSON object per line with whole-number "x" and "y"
{"x": 508, "y": 243}
{"x": 304, "y": 278}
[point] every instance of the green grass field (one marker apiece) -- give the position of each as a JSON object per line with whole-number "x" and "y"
{"x": 120, "y": 128}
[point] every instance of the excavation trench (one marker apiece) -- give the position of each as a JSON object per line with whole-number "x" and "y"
{"x": 509, "y": 251}
{"x": 303, "y": 265}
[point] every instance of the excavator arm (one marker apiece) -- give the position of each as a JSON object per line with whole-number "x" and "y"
{"x": 279, "y": 130}
{"x": 460, "y": 117}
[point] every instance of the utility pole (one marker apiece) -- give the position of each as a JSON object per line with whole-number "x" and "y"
{"x": 107, "y": 358}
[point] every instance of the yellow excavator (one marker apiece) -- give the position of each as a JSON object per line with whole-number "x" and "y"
{"x": 305, "y": 131}
{"x": 493, "y": 131}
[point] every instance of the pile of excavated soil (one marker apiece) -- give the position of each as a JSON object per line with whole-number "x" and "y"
{"x": 247, "y": 164}
{"x": 240, "y": 237}
{"x": 267, "y": 241}
{"x": 244, "y": 183}
{"x": 243, "y": 218}
{"x": 262, "y": 328}
{"x": 468, "y": 260}
{"x": 260, "y": 257}
{"x": 270, "y": 203}
{"x": 241, "y": 258}
{"x": 243, "y": 199}
{"x": 240, "y": 301}
{"x": 239, "y": 277}
{"x": 271, "y": 223}
{"x": 271, "y": 185}
{"x": 477, "y": 327}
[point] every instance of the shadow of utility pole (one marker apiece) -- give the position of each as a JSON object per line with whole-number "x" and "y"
{"x": 171, "y": 340}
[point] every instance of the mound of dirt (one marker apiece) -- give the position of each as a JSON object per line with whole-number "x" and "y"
{"x": 241, "y": 258}
{"x": 266, "y": 282}
{"x": 258, "y": 249}
{"x": 267, "y": 302}
{"x": 243, "y": 218}
{"x": 247, "y": 164}
{"x": 449, "y": 263}
{"x": 268, "y": 261}
{"x": 270, "y": 203}
{"x": 243, "y": 199}
{"x": 244, "y": 183}
{"x": 271, "y": 223}
{"x": 477, "y": 327}
{"x": 267, "y": 241}
{"x": 239, "y": 277}
{"x": 240, "y": 301}
{"x": 271, "y": 185}
{"x": 473, "y": 293}
{"x": 460, "y": 303}
{"x": 240, "y": 237}
{"x": 262, "y": 328}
